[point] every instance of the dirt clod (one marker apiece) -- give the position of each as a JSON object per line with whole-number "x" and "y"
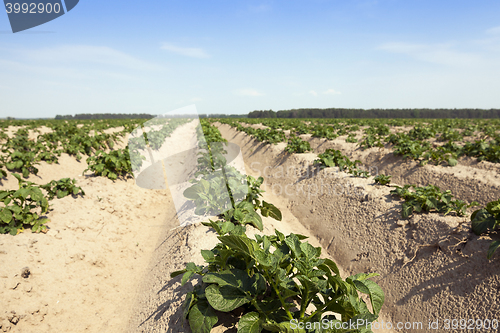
{"x": 25, "y": 272}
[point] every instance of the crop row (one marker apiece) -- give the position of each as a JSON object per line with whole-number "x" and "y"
{"x": 22, "y": 154}
{"x": 411, "y": 145}
{"x": 269, "y": 282}
{"x": 26, "y": 206}
{"x": 454, "y": 138}
{"x": 23, "y": 207}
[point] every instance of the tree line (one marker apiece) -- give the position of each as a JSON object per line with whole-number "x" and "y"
{"x": 377, "y": 113}
{"x": 82, "y": 116}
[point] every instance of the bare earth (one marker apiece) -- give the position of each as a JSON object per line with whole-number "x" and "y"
{"x": 105, "y": 262}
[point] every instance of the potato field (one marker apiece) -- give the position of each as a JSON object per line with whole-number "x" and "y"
{"x": 250, "y": 225}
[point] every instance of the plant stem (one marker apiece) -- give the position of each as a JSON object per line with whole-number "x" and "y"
{"x": 303, "y": 302}
{"x": 268, "y": 278}
{"x": 321, "y": 308}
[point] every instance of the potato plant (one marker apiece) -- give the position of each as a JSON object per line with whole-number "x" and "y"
{"x": 487, "y": 220}
{"x": 211, "y": 193}
{"x": 3, "y": 172}
{"x": 222, "y": 188}
{"x": 428, "y": 198}
{"x": 273, "y": 281}
{"x": 333, "y": 157}
{"x": 351, "y": 139}
{"x": 371, "y": 140}
{"x": 326, "y": 132}
{"x": 22, "y": 208}
{"x": 270, "y": 136}
{"x": 62, "y": 188}
{"x": 382, "y": 179}
{"x": 111, "y": 165}
{"x": 297, "y": 145}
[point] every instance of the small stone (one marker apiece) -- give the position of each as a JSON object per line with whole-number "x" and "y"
{"x": 13, "y": 317}
{"x": 25, "y": 272}
{"x": 402, "y": 223}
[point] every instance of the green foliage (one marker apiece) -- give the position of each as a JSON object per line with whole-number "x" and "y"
{"x": 216, "y": 191}
{"x": 273, "y": 280}
{"x": 370, "y": 141}
{"x": 484, "y": 151}
{"x": 245, "y": 212}
{"x": 21, "y": 208}
{"x": 407, "y": 147}
{"x": 378, "y": 129}
{"x": 112, "y": 165}
{"x": 422, "y": 151}
{"x": 326, "y": 132}
{"x": 211, "y": 133}
{"x": 486, "y": 220}
{"x": 332, "y": 157}
{"x": 421, "y": 133}
{"x": 22, "y": 161}
{"x": 440, "y": 155}
{"x": 451, "y": 135}
{"x": 382, "y": 179}
{"x": 428, "y": 198}
{"x": 136, "y": 158}
{"x": 222, "y": 186}
{"x": 301, "y": 128}
{"x": 412, "y": 145}
{"x": 21, "y": 153}
{"x": 297, "y": 145}
{"x": 270, "y": 136}
{"x": 3, "y": 173}
{"x": 61, "y": 188}
{"x": 351, "y": 139}
{"x": 254, "y": 197}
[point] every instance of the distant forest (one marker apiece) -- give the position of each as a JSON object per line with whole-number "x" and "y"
{"x": 377, "y": 113}
{"x": 82, "y": 116}
{"x": 316, "y": 113}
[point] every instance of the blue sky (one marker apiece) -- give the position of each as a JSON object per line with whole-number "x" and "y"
{"x": 238, "y": 56}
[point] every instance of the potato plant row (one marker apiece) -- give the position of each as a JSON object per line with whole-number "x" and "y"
{"x": 25, "y": 206}
{"x": 409, "y": 144}
{"x": 266, "y": 283}
{"x": 21, "y": 152}
{"x": 453, "y": 137}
